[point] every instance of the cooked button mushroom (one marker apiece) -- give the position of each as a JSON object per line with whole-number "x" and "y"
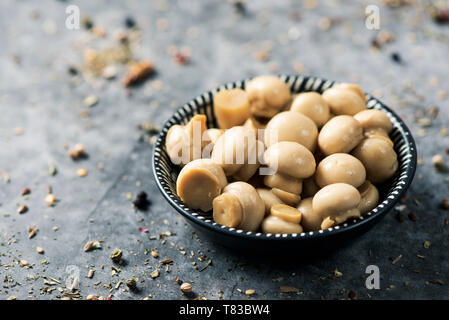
{"x": 370, "y": 197}
{"x": 344, "y": 100}
{"x": 287, "y": 197}
{"x": 290, "y": 158}
{"x": 267, "y": 95}
{"x": 336, "y": 203}
{"x": 283, "y": 219}
{"x": 185, "y": 143}
{"x": 312, "y": 105}
{"x": 378, "y": 157}
{"x": 291, "y": 126}
{"x": 310, "y": 220}
{"x": 286, "y": 213}
{"x": 340, "y": 135}
{"x": 374, "y": 122}
{"x": 239, "y": 206}
{"x": 340, "y": 167}
{"x": 231, "y": 108}
{"x": 269, "y": 199}
{"x": 199, "y": 182}
{"x": 236, "y": 147}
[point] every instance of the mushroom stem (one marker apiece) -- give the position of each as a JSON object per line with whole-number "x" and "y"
{"x": 228, "y": 210}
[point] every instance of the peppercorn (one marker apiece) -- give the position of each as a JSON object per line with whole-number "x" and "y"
{"x": 396, "y": 57}
{"x": 130, "y": 22}
{"x": 186, "y": 287}
{"x": 116, "y": 255}
{"x": 131, "y": 283}
{"x": 141, "y": 202}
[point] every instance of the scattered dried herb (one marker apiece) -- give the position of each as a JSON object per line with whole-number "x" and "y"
{"x": 413, "y": 216}
{"x": 396, "y": 260}
{"x": 50, "y": 199}
{"x": 91, "y": 273}
{"x": 352, "y": 295}
{"x": 82, "y": 172}
{"x": 92, "y": 245}
{"x": 22, "y": 209}
{"x": 77, "y": 152}
{"x": 32, "y": 231}
{"x": 154, "y": 274}
{"x": 138, "y": 71}
{"x": 445, "y": 203}
{"x": 288, "y": 289}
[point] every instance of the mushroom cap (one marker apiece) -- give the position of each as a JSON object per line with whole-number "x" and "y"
{"x": 310, "y": 220}
{"x": 176, "y": 138}
{"x": 234, "y": 148}
{"x": 187, "y": 138}
{"x": 312, "y": 105}
{"x": 284, "y": 182}
{"x": 199, "y": 182}
{"x": 269, "y": 199}
{"x": 231, "y": 107}
{"x": 267, "y": 95}
{"x": 291, "y": 126}
{"x": 340, "y": 135}
{"x": 273, "y": 224}
{"x": 370, "y": 197}
{"x": 378, "y": 157}
{"x": 353, "y": 87}
{"x": 252, "y": 205}
{"x": 343, "y": 100}
{"x": 373, "y": 119}
{"x": 290, "y": 158}
{"x": 340, "y": 167}
{"x": 338, "y": 201}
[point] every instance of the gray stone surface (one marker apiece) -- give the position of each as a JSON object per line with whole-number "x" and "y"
{"x": 38, "y": 94}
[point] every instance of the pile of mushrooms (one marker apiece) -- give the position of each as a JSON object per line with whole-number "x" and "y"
{"x": 283, "y": 163}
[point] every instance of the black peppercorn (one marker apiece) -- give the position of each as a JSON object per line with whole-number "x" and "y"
{"x": 130, "y": 22}
{"x": 141, "y": 202}
{"x": 396, "y": 57}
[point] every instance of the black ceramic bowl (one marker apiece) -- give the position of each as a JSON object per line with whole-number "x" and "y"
{"x": 390, "y": 193}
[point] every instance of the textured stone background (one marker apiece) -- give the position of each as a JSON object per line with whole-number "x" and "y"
{"x": 38, "y": 94}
